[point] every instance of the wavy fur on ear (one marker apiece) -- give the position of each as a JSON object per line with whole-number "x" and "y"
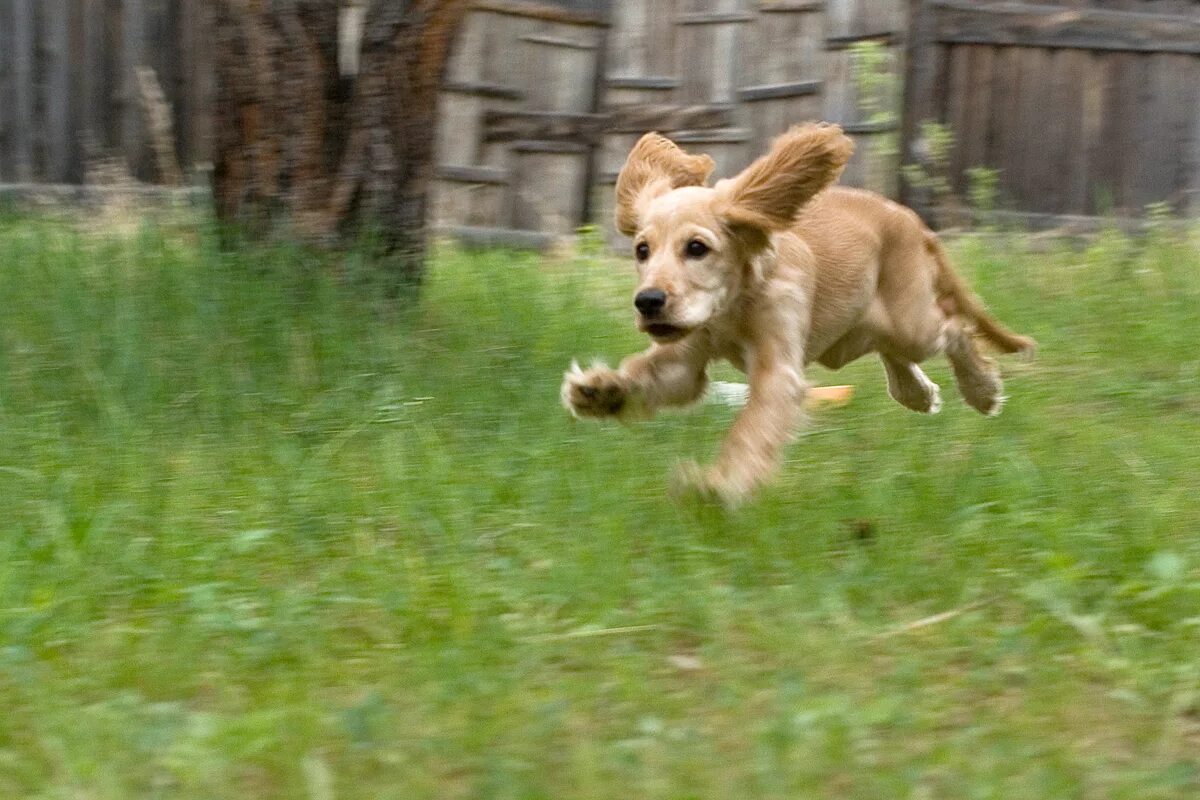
{"x": 655, "y": 166}
{"x": 801, "y": 162}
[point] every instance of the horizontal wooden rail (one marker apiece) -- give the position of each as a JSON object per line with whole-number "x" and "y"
{"x": 492, "y": 176}
{"x": 546, "y": 126}
{"x": 1030, "y": 25}
{"x": 542, "y": 11}
{"x": 715, "y": 18}
{"x": 791, "y": 6}
{"x": 776, "y": 91}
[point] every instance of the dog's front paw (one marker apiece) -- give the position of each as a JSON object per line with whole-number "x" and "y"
{"x": 598, "y": 392}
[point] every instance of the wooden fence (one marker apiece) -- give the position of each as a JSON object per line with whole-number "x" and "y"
{"x": 68, "y": 87}
{"x": 1082, "y": 107}
{"x": 542, "y": 101}
{"x": 541, "y": 110}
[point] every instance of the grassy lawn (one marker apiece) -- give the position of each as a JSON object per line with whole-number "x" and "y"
{"x": 264, "y": 537}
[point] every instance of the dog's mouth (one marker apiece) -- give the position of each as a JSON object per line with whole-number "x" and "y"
{"x": 664, "y": 332}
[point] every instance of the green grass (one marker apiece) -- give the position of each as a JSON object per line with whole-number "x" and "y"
{"x": 264, "y": 537}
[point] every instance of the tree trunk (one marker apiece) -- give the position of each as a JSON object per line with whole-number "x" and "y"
{"x": 301, "y": 148}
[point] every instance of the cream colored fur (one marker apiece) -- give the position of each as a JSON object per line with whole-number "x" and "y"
{"x": 771, "y": 270}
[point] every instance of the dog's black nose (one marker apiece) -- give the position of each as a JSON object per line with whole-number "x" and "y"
{"x": 650, "y": 301}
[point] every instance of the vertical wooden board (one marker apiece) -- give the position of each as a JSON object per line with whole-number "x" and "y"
{"x": 1095, "y": 85}
{"x": 531, "y": 76}
{"x": 662, "y": 37}
{"x": 1193, "y": 140}
{"x": 806, "y": 45}
{"x": 22, "y": 95}
{"x": 189, "y": 104}
{"x": 465, "y": 64}
{"x": 174, "y": 66}
{"x": 77, "y": 94}
{"x": 759, "y": 59}
{"x": 133, "y": 43}
{"x": 1054, "y": 127}
{"x": 730, "y": 157}
{"x": 1072, "y": 100}
{"x": 839, "y": 17}
{"x": 448, "y": 203}
{"x": 204, "y": 88}
{"x": 487, "y": 206}
{"x": 95, "y": 100}
{"x": 895, "y": 12}
{"x": 460, "y": 124}
{"x": 876, "y": 16}
{"x": 841, "y": 104}
{"x": 922, "y": 76}
{"x": 784, "y": 47}
{"x": 7, "y": 89}
{"x": 857, "y": 172}
{"x": 629, "y": 39}
{"x": 497, "y": 154}
{"x": 755, "y": 117}
{"x": 603, "y": 213}
{"x": 955, "y": 114}
{"x": 455, "y": 203}
{"x": 725, "y": 64}
{"x": 1028, "y": 160}
{"x": 974, "y": 135}
{"x": 1183, "y": 79}
{"x": 55, "y": 88}
{"x": 548, "y": 191}
{"x": 1043, "y": 122}
{"x": 803, "y": 109}
{"x": 1160, "y": 150}
{"x": 537, "y": 80}
{"x": 882, "y": 168}
{"x": 489, "y": 57}
{"x": 727, "y": 54}
{"x": 160, "y": 52}
{"x": 575, "y": 69}
{"x": 695, "y": 64}
{"x": 1006, "y": 91}
{"x": 1147, "y": 153}
{"x": 728, "y": 150}
{"x": 503, "y": 57}
{"x": 1007, "y": 106}
{"x": 109, "y": 79}
{"x": 1108, "y": 170}
{"x": 614, "y": 150}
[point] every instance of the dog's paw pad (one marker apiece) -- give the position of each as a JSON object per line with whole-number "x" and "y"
{"x": 598, "y": 392}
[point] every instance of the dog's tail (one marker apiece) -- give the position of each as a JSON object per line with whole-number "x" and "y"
{"x": 957, "y": 299}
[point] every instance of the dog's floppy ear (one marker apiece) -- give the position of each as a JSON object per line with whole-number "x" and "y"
{"x": 801, "y": 162}
{"x": 655, "y": 166}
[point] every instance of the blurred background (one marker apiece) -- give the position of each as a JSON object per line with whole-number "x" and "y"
{"x": 1047, "y": 111}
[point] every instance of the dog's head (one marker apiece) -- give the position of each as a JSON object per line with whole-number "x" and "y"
{"x": 695, "y": 245}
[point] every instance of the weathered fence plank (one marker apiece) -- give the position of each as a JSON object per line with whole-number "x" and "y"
{"x": 24, "y": 122}
{"x": 1028, "y": 25}
{"x": 1080, "y": 110}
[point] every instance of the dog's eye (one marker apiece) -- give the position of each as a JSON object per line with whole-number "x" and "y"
{"x": 642, "y": 251}
{"x": 696, "y": 249}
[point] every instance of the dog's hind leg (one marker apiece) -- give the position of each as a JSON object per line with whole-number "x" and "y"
{"x": 910, "y": 386}
{"x": 978, "y": 376}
